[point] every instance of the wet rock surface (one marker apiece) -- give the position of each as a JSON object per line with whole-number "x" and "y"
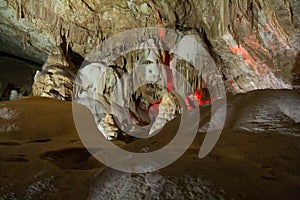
{"x": 41, "y": 159}
{"x": 274, "y": 113}
{"x": 150, "y": 186}
{"x": 245, "y": 164}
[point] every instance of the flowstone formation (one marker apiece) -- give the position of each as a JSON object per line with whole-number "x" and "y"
{"x": 254, "y": 43}
{"x": 136, "y": 87}
{"x": 56, "y": 78}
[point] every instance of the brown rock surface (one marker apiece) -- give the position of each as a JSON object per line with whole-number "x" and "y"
{"x": 245, "y": 164}
{"x": 41, "y": 156}
{"x": 45, "y": 159}
{"x": 254, "y": 42}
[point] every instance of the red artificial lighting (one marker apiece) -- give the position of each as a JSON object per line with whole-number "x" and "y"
{"x": 170, "y": 85}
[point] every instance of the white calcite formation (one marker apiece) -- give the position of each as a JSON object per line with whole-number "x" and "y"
{"x": 169, "y": 108}
{"x": 133, "y": 95}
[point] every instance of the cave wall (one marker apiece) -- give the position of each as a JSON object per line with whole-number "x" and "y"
{"x": 256, "y": 40}
{"x": 253, "y": 42}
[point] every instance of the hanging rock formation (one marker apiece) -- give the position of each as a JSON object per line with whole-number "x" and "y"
{"x": 254, "y": 42}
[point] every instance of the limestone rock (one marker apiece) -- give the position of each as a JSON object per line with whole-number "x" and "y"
{"x": 56, "y": 78}
{"x": 108, "y": 127}
{"x": 55, "y": 82}
{"x": 254, "y": 40}
{"x": 169, "y": 108}
{"x": 254, "y": 43}
{"x": 133, "y": 84}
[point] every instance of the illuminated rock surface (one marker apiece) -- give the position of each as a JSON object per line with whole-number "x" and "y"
{"x": 254, "y": 43}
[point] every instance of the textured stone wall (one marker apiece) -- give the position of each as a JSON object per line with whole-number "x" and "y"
{"x": 254, "y": 42}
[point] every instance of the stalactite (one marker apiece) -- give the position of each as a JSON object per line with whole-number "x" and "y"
{"x": 25, "y": 40}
